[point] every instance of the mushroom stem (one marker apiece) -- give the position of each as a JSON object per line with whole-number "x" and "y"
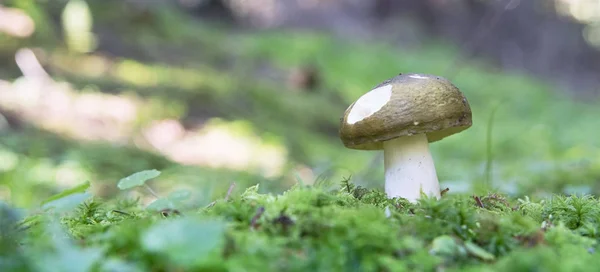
{"x": 409, "y": 168}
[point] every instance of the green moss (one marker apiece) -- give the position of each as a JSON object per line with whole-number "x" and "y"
{"x": 320, "y": 229}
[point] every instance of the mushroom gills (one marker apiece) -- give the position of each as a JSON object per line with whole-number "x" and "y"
{"x": 409, "y": 168}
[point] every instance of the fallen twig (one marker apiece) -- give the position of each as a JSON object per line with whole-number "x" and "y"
{"x": 257, "y": 216}
{"x": 211, "y": 204}
{"x": 121, "y": 212}
{"x": 478, "y": 200}
{"x": 229, "y": 191}
{"x": 226, "y": 196}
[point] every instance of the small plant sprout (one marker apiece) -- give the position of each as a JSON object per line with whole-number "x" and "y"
{"x": 402, "y": 116}
{"x": 162, "y": 204}
{"x": 139, "y": 179}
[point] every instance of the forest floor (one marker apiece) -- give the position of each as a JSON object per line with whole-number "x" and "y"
{"x": 164, "y": 91}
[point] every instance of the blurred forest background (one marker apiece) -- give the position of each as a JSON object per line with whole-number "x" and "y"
{"x": 213, "y": 92}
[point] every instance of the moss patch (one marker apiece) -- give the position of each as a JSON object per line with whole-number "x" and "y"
{"x": 316, "y": 228}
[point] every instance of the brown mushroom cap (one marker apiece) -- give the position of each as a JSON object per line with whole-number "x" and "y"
{"x": 419, "y": 103}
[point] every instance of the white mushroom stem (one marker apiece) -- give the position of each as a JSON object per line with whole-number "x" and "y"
{"x": 409, "y": 168}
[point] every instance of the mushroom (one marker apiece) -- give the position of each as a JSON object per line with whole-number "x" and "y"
{"x": 402, "y": 116}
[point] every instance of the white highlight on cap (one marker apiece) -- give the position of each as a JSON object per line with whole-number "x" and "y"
{"x": 418, "y": 76}
{"x": 369, "y": 103}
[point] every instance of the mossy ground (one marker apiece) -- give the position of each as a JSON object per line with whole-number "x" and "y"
{"x": 323, "y": 227}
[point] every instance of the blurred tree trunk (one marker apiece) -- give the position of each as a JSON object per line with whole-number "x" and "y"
{"x": 528, "y": 35}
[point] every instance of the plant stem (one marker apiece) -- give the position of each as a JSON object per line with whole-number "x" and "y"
{"x": 151, "y": 191}
{"x": 229, "y": 191}
{"x": 489, "y": 155}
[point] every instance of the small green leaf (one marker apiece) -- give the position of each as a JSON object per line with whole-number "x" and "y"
{"x": 67, "y": 255}
{"x": 186, "y": 241}
{"x": 173, "y": 201}
{"x": 446, "y": 246}
{"x": 117, "y": 265}
{"x": 77, "y": 189}
{"x": 161, "y": 204}
{"x": 479, "y": 252}
{"x": 180, "y": 195}
{"x": 137, "y": 179}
